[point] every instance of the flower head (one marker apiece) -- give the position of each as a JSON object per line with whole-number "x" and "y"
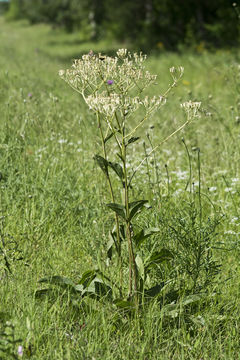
{"x": 20, "y": 351}
{"x": 88, "y": 74}
{"x": 91, "y": 74}
{"x": 191, "y": 108}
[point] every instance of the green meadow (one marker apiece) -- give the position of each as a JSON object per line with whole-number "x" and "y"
{"x": 54, "y": 221}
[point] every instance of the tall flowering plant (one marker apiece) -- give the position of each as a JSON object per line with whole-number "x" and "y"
{"x": 113, "y": 88}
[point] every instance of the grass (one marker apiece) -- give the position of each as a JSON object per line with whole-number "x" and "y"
{"x": 52, "y": 201}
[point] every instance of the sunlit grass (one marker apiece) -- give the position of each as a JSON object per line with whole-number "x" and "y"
{"x": 53, "y": 196}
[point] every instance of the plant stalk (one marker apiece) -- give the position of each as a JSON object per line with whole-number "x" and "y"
{"x": 113, "y": 200}
{"x": 132, "y": 264}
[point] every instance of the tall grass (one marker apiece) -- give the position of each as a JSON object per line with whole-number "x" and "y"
{"x": 54, "y": 219}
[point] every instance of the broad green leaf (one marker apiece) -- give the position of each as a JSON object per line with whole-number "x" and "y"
{"x": 174, "y": 310}
{"x": 103, "y": 276}
{"x": 135, "y": 207}
{"x": 159, "y": 257}
{"x": 79, "y": 288}
{"x": 172, "y": 295}
{"x": 87, "y": 278}
{"x": 171, "y": 310}
{"x": 144, "y": 234}
{"x": 97, "y": 290}
{"x": 42, "y": 292}
{"x": 154, "y": 291}
{"x": 118, "y": 209}
{"x": 198, "y": 320}
{"x": 117, "y": 168}
{"x": 110, "y": 246}
{"x": 140, "y": 266}
{"x": 191, "y": 299}
{"x": 132, "y": 140}
{"x": 102, "y": 163}
{"x": 89, "y": 291}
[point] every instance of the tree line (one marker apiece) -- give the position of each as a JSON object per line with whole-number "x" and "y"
{"x": 145, "y": 23}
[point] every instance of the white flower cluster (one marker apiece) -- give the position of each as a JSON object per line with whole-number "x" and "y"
{"x": 92, "y": 72}
{"x": 191, "y": 108}
{"x": 109, "y": 105}
{"x": 152, "y": 104}
{"x": 109, "y": 84}
{"x": 176, "y": 72}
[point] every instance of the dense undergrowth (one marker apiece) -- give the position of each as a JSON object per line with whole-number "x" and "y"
{"x": 54, "y": 220}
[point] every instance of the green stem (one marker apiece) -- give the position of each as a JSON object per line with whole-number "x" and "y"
{"x": 199, "y": 191}
{"x": 157, "y": 181}
{"x": 132, "y": 263}
{"x": 190, "y": 182}
{"x": 113, "y": 200}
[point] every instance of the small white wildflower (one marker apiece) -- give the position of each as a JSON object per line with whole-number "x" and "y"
{"x": 178, "y": 191}
{"x": 153, "y": 104}
{"x": 230, "y": 232}
{"x": 191, "y": 108}
{"x": 181, "y": 69}
{"x": 234, "y": 220}
{"x": 212, "y": 189}
{"x": 104, "y": 104}
{"x": 62, "y": 141}
{"x": 61, "y": 72}
{"x": 121, "y": 53}
{"x": 181, "y": 175}
{"x": 176, "y": 73}
{"x": 221, "y": 172}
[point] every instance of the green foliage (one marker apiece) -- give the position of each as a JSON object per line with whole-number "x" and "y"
{"x": 8, "y": 341}
{"x": 15, "y": 11}
{"x": 195, "y": 245}
{"x": 155, "y": 25}
{"x": 4, "y": 6}
{"x": 9, "y": 250}
{"x": 68, "y": 14}
{"x": 54, "y": 196}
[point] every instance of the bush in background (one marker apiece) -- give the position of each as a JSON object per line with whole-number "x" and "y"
{"x": 147, "y": 24}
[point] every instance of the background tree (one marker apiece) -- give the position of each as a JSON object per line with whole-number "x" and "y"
{"x": 144, "y": 23}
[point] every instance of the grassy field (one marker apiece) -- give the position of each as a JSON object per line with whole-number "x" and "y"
{"x": 53, "y": 219}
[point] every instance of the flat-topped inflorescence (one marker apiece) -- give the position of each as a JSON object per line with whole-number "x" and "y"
{"x": 106, "y": 83}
